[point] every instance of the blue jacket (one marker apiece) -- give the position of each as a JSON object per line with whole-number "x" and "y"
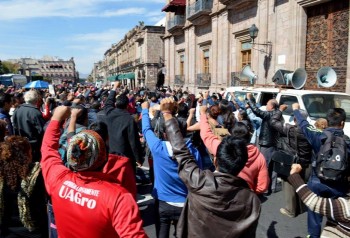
{"x": 92, "y": 115}
{"x": 6, "y": 117}
{"x": 168, "y": 186}
{"x": 315, "y": 136}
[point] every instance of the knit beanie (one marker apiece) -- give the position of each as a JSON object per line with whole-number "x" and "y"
{"x": 86, "y": 151}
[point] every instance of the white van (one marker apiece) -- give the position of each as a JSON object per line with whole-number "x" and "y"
{"x": 261, "y": 95}
{"x": 315, "y": 103}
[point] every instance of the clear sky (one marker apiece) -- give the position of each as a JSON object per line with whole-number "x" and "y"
{"x": 83, "y": 29}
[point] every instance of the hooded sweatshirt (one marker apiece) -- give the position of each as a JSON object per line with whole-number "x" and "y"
{"x": 255, "y": 171}
{"x": 87, "y": 204}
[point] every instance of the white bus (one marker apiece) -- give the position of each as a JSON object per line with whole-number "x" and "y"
{"x": 16, "y": 80}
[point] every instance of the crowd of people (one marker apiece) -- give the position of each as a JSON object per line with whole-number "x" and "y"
{"x": 70, "y": 161}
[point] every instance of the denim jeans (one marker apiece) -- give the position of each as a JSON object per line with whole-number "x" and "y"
{"x": 314, "y": 220}
{"x": 165, "y": 214}
{"x": 267, "y": 153}
{"x": 52, "y": 223}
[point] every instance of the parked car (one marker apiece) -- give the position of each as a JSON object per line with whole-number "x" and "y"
{"x": 15, "y": 80}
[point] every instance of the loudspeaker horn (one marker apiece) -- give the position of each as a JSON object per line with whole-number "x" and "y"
{"x": 326, "y": 77}
{"x": 279, "y": 77}
{"x": 299, "y": 78}
{"x": 296, "y": 78}
{"x": 247, "y": 72}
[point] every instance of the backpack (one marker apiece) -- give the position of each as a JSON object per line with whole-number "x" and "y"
{"x": 332, "y": 160}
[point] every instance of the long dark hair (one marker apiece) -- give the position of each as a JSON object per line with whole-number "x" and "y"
{"x": 246, "y": 120}
{"x": 228, "y": 117}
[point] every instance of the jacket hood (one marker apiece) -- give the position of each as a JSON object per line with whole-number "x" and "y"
{"x": 336, "y": 131}
{"x": 253, "y": 153}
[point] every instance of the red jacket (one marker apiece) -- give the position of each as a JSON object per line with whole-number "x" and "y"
{"x": 255, "y": 171}
{"x": 86, "y": 204}
{"x": 120, "y": 169}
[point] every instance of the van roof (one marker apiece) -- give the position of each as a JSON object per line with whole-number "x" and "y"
{"x": 277, "y": 90}
{"x": 304, "y": 92}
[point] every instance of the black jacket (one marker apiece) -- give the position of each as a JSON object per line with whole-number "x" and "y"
{"x": 299, "y": 144}
{"x": 268, "y": 134}
{"x": 29, "y": 122}
{"x": 218, "y": 204}
{"x": 122, "y": 130}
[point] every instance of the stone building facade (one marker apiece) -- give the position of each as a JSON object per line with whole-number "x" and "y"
{"x": 99, "y": 72}
{"x": 58, "y": 71}
{"x": 137, "y": 59}
{"x": 207, "y": 42}
{"x": 51, "y": 69}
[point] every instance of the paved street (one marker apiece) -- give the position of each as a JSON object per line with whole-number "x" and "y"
{"x": 271, "y": 223}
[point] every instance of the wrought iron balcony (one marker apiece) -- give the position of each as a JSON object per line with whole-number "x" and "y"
{"x": 235, "y": 79}
{"x": 238, "y": 80}
{"x": 239, "y": 4}
{"x": 176, "y": 23}
{"x": 198, "y": 12}
{"x": 179, "y": 80}
{"x": 126, "y": 65}
{"x": 203, "y": 80}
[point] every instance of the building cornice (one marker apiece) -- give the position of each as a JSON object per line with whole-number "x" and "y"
{"x": 205, "y": 43}
{"x": 187, "y": 26}
{"x": 219, "y": 12}
{"x": 242, "y": 35}
{"x": 167, "y": 36}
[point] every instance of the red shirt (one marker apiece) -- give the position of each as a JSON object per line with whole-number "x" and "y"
{"x": 86, "y": 204}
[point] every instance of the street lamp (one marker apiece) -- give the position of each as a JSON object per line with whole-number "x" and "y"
{"x": 253, "y": 33}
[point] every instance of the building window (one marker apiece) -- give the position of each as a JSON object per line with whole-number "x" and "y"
{"x": 182, "y": 64}
{"x": 246, "y": 54}
{"x": 206, "y": 66}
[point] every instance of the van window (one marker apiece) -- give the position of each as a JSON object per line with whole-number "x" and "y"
{"x": 317, "y": 105}
{"x": 288, "y": 100}
{"x": 240, "y": 96}
{"x": 265, "y": 97}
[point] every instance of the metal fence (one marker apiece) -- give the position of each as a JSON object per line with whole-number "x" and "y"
{"x": 179, "y": 79}
{"x": 177, "y": 20}
{"x": 198, "y": 6}
{"x": 203, "y": 80}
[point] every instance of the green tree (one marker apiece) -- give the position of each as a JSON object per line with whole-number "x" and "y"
{"x": 90, "y": 79}
{"x": 1, "y": 68}
{"x": 8, "y": 68}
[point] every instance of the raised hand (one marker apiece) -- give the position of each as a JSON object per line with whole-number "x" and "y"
{"x": 61, "y": 113}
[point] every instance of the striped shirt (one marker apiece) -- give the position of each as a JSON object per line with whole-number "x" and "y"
{"x": 336, "y": 210}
